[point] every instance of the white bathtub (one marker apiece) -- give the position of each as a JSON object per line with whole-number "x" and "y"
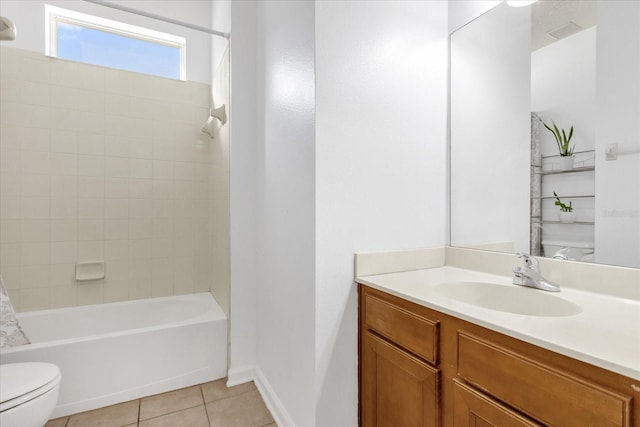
{"x": 111, "y": 353}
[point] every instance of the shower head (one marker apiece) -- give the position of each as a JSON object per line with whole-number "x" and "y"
{"x": 220, "y": 114}
{"x": 7, "y": 29}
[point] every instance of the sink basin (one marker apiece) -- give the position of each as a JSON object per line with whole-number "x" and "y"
{"x": 509, "y": 298}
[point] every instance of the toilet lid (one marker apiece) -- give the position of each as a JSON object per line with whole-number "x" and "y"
{"x": 19, "y": 379}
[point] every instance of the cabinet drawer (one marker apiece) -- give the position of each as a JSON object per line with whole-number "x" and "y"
{"x": 406, "y": 329}
{"x": 473, "y": 409}
{"x": 540, "y": 391}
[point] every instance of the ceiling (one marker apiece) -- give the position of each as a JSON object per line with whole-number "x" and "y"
{"x": 559, "y": 15}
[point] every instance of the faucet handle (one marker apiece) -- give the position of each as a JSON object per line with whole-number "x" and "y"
{"x": 529, "y": 261}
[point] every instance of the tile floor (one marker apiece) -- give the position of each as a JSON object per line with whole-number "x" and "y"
{"x": 206, "y": 405}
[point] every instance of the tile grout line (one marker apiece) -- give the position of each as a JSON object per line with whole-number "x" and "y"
{"x": 205, "y": 405}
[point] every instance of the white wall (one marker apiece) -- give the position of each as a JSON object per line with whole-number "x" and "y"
{"x": 286, "y": 187}
{"x": 617, "y": 233}
{"x": 29, "y": 17}
{"x": 490, "y": 129}
{"x": 381, "y": 79}
{"x": 462, "y": 12}
{"x": 243, "y": 193}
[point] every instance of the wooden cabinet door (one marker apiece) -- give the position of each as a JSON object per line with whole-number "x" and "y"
{"x": 398, "y": 389}
{"x": 474, "y": 409}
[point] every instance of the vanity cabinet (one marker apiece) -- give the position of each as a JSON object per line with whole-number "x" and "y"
{"x": 399, "y": 378}
{"x": 421, "y": 367}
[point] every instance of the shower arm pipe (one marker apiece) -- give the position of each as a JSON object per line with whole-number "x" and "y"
{"x": 159, "y": 17}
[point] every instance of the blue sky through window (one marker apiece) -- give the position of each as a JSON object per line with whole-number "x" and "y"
{"x": 92, "y": 46}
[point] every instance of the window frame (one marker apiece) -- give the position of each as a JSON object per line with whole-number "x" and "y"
{"x": 55, "y": 15}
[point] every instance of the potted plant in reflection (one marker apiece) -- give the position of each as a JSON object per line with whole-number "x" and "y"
{"x": 562, "y": 139}
{"x": 567, "y": 215}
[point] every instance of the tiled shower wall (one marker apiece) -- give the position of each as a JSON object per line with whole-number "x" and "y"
{"x": 101, "y": 164}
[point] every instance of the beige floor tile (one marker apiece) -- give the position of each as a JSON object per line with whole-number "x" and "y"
{"x": 192, "y": 417}
{"x": 58, "y": 422}
{"x": 172, "y": 401}
{"x": 216, "y": 390}
{"x": 245, "y": 410}
{"x": 111, "y": 416}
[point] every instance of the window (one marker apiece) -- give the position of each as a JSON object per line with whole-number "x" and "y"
{"x": 85, "y": 38}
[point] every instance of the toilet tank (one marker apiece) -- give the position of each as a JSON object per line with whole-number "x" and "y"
{"x": 573, "y": 251}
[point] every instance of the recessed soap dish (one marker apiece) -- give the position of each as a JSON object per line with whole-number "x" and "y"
{"x": 90, "y": 270}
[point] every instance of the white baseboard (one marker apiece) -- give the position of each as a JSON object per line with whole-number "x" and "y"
{"x": 241, "y": 375}
{"x": 278, "y": 411}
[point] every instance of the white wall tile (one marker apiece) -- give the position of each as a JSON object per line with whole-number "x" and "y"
{"x": 11, "y": 277}
{"x": 91, "y": 143}
{"x": 90, "y": 292}
{"x": 116, "y": 229}
{"x": 64, "y": 73}
{"x": 140, "y": 188}
{"x": 9, "y": 255}
{"x": 162, "y": 228}
{"x": 64, "y": 164}
{"x": 34, "y": 299}
{"x": 10, "y": 183}
{"x": 64, "y": 186}
{"x": 35, "y": 139}
{"x": 140, "y": 208}
{"x": 34, "y": 208}
{"x": 64, "y": 230}
{"x": 91, "y": 165}
{"x": 90, "y": 229}
{"x": 35, "y": 185}
{"x": 162, "y": 208}
{"x": 9, "y": 231}
{"x": 92, "y": 101}
{"x": 34, "y": 230}
{"x": 90, "y": 186}
{"x": 63, "y": 296}
{"x": 10, "y": 159}
{"x": 117, "y": 167}
{"x": 91, "y": 208}
{"x": 10, "y": 136}
{"x": 64, "y": 119}
{"x": 140, "y": 249}
{"x": 34, "y": 253}
{"x": 116, "y": 208}
{"x": 117, "y": 188}
{"x": 141, "y": 148}
{"x": 9, "y": 206}
{"x": 116, "y": 250}
{"x": 63, "y": 275}
{"x": 140, "y": 229}
{"x": 64, "y": 141}
{"x": 34, "y": 276}
{"x": 98, "y": 165}
{"x": 141, "y": 168}
{"x": 90, "y": 122}
{"x": 117, "y": 146}
{"x": 64, "y": 97}
{"x": 64, "y": 252}
{"x": 32, "y": 161}
{"x": 64, "y": 208}
{"x": 91, "y": 251}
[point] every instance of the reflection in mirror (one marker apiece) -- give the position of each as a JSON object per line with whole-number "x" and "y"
{"x": 545, "y": 131}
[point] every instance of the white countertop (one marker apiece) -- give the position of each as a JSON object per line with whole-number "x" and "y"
{"x": 605, "y": 332}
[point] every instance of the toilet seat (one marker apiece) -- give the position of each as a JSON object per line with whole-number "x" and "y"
{"x": 22, "y": 382}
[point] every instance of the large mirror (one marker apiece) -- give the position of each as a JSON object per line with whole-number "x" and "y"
{"x": 519, "y": 182}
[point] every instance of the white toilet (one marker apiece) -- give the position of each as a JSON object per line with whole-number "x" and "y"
{"x": 28, "y": 393}
{"x": 572, "y": 251}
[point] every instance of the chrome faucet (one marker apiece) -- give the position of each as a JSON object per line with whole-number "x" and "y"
{"x": 529, "y": 275}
